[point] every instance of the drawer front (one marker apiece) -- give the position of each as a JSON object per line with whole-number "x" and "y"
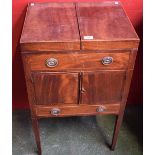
{"x": 79, "y": 110}
{"x": 78, "y": 61}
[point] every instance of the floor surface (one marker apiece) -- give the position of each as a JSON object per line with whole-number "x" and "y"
{"x": 79, "y": 135}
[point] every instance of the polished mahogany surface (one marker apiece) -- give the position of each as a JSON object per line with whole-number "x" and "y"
{"x": 50, "y": 24}
{"x": 78, "y": 60}
{"x": 75, "y": 26}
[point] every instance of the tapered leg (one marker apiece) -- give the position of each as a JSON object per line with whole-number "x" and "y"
{"x": 36, "y": 134}
{"x": 118, "y": 123}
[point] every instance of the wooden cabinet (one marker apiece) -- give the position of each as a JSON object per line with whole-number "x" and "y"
{"x": 78, "y": 60}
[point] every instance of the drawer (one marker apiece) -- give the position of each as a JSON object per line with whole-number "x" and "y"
{"x": 78, "y": 61}
{"x": 79, "y": 110}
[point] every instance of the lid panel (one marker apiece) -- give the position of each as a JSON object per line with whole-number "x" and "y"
{"x": 51, "y": 23}
{"x": 77, "y": 26}
{"x": 104, "y": 22}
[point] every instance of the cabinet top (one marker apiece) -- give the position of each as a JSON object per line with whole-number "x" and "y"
{"x": 77, "y": 26}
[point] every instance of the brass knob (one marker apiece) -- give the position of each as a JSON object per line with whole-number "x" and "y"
{"x": 107, "y": 60}
{"x": 100, "y": 109}
{"x": 51, "y": 62}
{"x": 55, "y": 111}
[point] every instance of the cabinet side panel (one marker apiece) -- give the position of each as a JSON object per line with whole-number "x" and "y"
{"x": 29, "y": 84}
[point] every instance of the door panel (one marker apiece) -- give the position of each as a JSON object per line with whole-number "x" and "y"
{"x": 56, "y": 88}
{"x": 102, "y": 87}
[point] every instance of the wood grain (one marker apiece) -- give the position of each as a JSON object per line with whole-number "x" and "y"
{"x": 78, "y": 61}
{"x": 63, "y": 26}
{"x": 103, "y": 87}
{"x": 36, "y": 132}
{"x": 77, "y": 110}
{"x": 50, "y": 26}
{"x": 56, "y": 88}
{"x": 80, "y": 83}
{"x": 108, "y": 24}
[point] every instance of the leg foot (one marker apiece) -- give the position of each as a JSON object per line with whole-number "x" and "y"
{"x": 36, "y": 134}
{"x": 118, "y": 123}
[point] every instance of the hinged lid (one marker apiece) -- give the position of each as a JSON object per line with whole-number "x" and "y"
{"x": 77, "y": 26}
{"x": 105, "y": 26}
{"x": 50, "y": 26}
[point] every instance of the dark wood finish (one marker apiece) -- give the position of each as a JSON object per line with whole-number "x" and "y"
{"x": 35, "y": 127}
{"x": 78, "y": 61}
{"x": 56, "y": 88}
{"x": 79, "y": 85}
{"x": 77, "y": 110}
{"x": 108, "y": 24}
{"x": 50, "y": 26}
{"x": 119, "y": 118}
{"x": 103, "y": 87}
{"x": 104, "y": 45}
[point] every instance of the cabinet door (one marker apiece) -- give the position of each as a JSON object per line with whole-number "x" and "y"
{"x": 56, "y": 88}
{"x": 102, "y": 87}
